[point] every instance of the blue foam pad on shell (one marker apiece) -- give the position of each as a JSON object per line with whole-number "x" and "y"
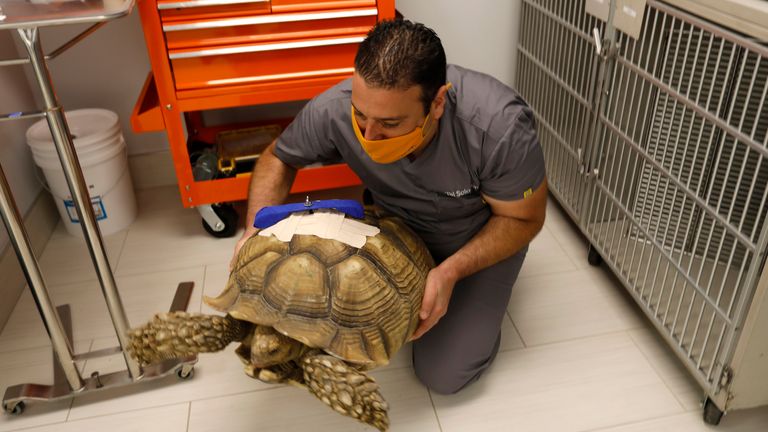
{"x": 268, "y": 216}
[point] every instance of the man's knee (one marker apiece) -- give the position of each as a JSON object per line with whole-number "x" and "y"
{"x": 447, "y": 376}
{"x": 443, "y": 380}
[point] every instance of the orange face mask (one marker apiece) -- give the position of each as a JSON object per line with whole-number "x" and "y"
{"x": 389, "y": 150}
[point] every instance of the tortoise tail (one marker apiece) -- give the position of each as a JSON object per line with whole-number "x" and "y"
{"x": 180, "y": 334}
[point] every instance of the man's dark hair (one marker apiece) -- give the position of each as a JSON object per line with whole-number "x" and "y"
{"x": 398, "y": 54}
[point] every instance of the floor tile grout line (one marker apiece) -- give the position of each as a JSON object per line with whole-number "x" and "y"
{"x": 90, "y": 348}
{"x": 577, "y": 261}
{"x": 189, "y": 414}
{"x": 514, "y": 326}
{"x": 136, "y": 272}
{"x": 562, "y": 248}
{"x": 658, "y": 373}
{"x": 35, "y": 426}
{"x": 122, "y": 249}
{"x": 69, "y": 409}
{"x": 114, "y": 413}
{"x": 548, "y": 273}
{"x": 202, "y": 288}
{"x": 38, "y": 347}
{"x": 434, "y": 409}
{"x": 566, "y": 248}
{"x": 638, "y": 422}
{"x": 581, "y": 338}
{"x": 139, "y": 272}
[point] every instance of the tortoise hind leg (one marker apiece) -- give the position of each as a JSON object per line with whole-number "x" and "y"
{"x": 345, "y": 389}
{"x": 179, "y": 334}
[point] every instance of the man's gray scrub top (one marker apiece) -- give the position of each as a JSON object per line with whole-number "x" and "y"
{"x": 486, "y": 143}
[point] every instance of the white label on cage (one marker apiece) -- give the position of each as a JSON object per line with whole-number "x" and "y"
{"x": 628, "y": 16}
{"x": 629, "y": 11}
{"x": 598, "y": 8}
{"x": 324, "y": 224}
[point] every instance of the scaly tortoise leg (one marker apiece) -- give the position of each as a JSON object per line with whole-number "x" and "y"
{"x": 345, "y": 389}
{"x": 179, "y": 334}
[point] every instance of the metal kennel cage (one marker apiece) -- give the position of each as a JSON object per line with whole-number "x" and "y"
{"x": 656, "y": 146}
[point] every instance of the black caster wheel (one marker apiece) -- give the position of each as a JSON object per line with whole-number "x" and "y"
{"x": 185, "y": 373}
{"x": 14, "y": 409}
{"x": 593, "y": 257}
{"x": 712, "y": 414}
{"x": 228, "y": 216}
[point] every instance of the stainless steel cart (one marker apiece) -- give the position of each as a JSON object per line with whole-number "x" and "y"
{"x": 27, "y": 17}
{"x": 656, "y": 146}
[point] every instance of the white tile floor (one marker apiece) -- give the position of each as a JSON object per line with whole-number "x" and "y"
{"x": 577, "y": 355}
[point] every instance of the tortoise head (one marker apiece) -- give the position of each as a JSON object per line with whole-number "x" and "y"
{"x": 269, "y": 347}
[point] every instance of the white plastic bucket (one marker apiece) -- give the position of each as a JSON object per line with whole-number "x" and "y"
{"x": 102, "y": 154}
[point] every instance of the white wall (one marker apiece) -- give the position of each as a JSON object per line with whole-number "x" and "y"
{"x": 15, "y": 157}
{"x": 479, "y": 34}
{"x": 105, "y": 70}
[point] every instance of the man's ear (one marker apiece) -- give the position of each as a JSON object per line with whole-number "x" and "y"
{"x": 438, "y": 103}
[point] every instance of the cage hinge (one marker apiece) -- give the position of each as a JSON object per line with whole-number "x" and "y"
{"x": 726, "y": 377}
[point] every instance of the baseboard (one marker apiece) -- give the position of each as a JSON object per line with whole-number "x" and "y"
{"x": 149, "y": 170}
{"x": 40, "y": 222}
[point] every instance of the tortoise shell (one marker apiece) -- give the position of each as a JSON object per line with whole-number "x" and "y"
{"x": 360, "y": 305}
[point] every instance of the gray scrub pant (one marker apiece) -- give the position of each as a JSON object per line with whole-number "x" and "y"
{"x": 461, "y": 346}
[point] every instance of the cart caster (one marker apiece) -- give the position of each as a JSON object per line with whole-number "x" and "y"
{"x": 712, "y": 413}
{"x": 593, "y": 257}
{"x": 14, "y": 408}
{"x": 219, "y": 220}
{"x": 185, "y": 372}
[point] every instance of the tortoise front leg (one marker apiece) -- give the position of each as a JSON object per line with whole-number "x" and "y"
{"x": 179, "y": 334}
{"x": 345, "y": 389}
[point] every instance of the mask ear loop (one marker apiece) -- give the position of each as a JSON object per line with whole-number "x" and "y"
{"x": 424, "y": 133}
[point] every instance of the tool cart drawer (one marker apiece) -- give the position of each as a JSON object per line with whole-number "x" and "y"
{"x": 171, "y": 10}
{"x": 279, "y": 6}
{"x": 192, "y": 33}
{"x": 242, "y": 64}
{"x": 208, "y": 50}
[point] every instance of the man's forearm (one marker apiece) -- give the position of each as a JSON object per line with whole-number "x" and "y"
{"x": 270, "y": 183}
{"x": 500, "y": 238}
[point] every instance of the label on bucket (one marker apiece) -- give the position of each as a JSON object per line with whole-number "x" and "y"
{"x": 98, "y": 209}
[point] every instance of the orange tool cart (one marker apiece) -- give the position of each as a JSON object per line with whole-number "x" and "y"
{"x": 214, "y": 54}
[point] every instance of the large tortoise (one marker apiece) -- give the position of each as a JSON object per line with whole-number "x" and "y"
{"x": 312, "y": 312}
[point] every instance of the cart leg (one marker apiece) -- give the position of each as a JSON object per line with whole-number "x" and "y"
{"x": 712, "y": 414}
{"x": 74, "y": 175}
{"x": 593, "y": 257}
{"x": 11, "y": 217}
